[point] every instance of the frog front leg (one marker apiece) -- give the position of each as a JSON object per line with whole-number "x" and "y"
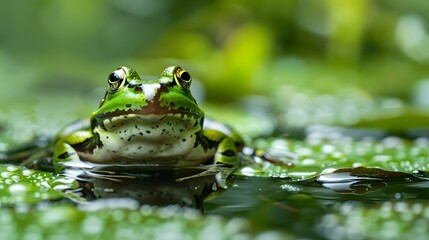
{"x": 66, "y": 149}
{"x": 225, "y": 158}
{"x": 226, "y": 161}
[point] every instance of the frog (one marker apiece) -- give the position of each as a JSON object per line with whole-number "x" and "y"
{"x": 154, "y": 123}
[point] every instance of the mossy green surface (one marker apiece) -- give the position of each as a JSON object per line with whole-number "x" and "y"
{"x": 30, "y": 207}
{"x": 122, "y": 219}
{"x": 19, "y": 185}
{"x": 318, "y": 154}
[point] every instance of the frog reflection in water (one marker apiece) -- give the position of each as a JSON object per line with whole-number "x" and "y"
{"x": 151, "y": 123}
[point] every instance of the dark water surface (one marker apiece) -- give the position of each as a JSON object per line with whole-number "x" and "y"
{"x": 302, "y": 207}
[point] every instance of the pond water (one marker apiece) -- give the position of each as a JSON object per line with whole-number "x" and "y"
{"x": 350, "y": 203}
{"x": 306, "y": 208}
{"x": 337, "y": 183}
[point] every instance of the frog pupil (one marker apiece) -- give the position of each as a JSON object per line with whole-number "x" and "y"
{"x": 185, "y": 76}
{"x": 114, "y": 77}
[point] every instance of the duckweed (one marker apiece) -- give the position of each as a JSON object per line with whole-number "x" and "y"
{"x": 318, "y": 153}
{"x": 276, "y": 199}
{"x": 96, "y": 221}
{"x": 21, "y": 185}
{"x": 389, "y": 220}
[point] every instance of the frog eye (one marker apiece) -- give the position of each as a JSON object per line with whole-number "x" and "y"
{"x": 116, "y": 79}
{"x": 182, "y": 78}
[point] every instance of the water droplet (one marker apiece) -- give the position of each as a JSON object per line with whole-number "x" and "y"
{"x": 397, "y": 196}
{"x": 247, "y": 171}
{"x": 5, "y": 174}
{"x": 12, "y": 168}
{"x": 92, "y": 225}
{"x": 27, "y": 172}
{"x": 357, "y": 164}
{"x": 290, "y": 188}
{"x": 328, "y": 170}
{"x": 15, "y": 178}
{"x": 308, "y": 162}
{"x": 302, "y": 175}
{"x": 328, "y": 149}
{"x": 17, "y": 189}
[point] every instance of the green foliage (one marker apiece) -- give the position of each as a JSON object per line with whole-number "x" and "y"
{"x": 99, "y": 221}
{"x": 318, "y": 154}
{"x": 355, "y": 67}
{"x": 389, "y": 220}
{"x": 24, "y": 186}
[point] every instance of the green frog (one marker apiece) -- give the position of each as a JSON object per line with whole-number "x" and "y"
{"x": 152, "y": 123}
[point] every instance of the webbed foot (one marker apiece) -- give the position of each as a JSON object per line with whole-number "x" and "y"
{"x": 221, "y": 173}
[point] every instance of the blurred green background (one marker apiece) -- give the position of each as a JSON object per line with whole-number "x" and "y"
{"x": 332, "y": 62}
{"x": 52, "y": 50}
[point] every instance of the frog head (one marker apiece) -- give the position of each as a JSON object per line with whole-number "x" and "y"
{"x": 142, "y": 119}
{"x": 128, "y": 94}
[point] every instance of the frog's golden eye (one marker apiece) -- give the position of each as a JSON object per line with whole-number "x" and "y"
{"x": 117, "y": 79}
{"x": 182, "y": 78}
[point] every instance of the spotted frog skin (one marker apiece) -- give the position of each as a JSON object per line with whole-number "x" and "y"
{"x": 152, "y": 123}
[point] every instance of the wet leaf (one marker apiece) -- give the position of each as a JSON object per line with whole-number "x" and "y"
{"x": 20, "y": 185}
{"x": 323, "y": 153}
{"x": 369, "y": 172}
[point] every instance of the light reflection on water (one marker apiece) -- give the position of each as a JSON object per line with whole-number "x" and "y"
{"x": 159, "y": 188}
{"x": 301, "y": 206}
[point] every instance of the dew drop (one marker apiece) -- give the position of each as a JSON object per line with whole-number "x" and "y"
{"x": 27, "y": 172}
{"x": 17, "y": 189}
{"x": 92, "y": 225}
{"x": 12, "y": 168}
{"x": 5, "y": 174}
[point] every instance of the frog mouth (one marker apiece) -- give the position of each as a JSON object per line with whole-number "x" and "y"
{"x": 151, "y": 112}
{"x": 140, "y": 124}
{"x": 143, "y": 116}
